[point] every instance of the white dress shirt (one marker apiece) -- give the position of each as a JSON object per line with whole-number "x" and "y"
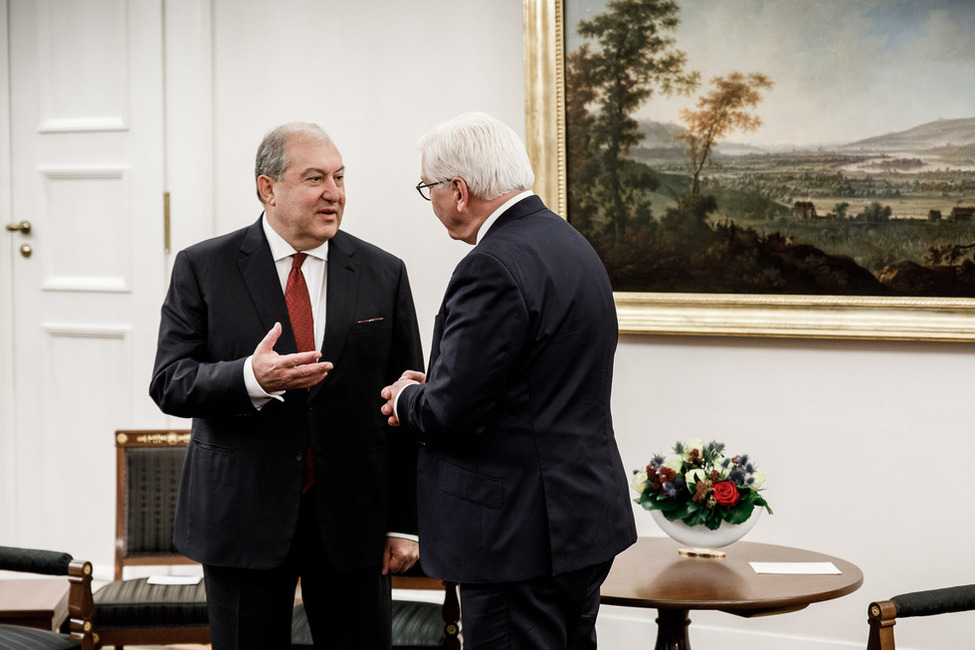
{"x": 315, "y": 270}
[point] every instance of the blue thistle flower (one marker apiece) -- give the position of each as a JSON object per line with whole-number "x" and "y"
{"x": 737, "y": 475}
{"x": 669, "y": 489}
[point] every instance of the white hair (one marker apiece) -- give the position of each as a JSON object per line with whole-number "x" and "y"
{"x": 482, "y": 150}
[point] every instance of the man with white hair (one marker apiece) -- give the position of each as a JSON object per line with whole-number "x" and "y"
{"x": 522, "y": 495}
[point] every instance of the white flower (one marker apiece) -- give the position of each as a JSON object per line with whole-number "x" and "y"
{"x": 639, "y": 482}
{"x": 723, "y": 465}
{"x": 691, "y": 445}
{"x": 674, "y": 462}
{"x": 693, "y": 477}
{"x": 757, "y": 479}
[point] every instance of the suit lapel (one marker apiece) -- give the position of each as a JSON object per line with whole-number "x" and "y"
{"x": 341, "y": 294}
{"x": 261, "y": 277}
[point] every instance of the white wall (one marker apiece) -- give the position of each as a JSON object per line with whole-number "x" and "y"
{"x": 376, "y": 75}
{"x": 865, "y": 445}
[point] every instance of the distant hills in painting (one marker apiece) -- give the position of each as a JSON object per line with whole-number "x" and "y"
{"x": 890, "y": 214}
{"x": 924, "y": 137}
{"x": 933, "y": 135}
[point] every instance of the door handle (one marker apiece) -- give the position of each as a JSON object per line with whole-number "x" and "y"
{"x": 23, "y": 226}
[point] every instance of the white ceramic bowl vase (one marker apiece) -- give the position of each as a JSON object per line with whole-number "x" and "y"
{"x": 700, "y": 537}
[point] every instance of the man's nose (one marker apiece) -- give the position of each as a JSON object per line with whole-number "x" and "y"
{"x": 331, "y": 191}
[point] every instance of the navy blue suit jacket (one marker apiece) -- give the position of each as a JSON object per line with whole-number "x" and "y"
{"x": 520, "y": 475}
{"x": 241, "y": 489}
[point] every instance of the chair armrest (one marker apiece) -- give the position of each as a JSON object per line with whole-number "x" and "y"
{"x": 882, "y": 615}
{"x": 451, "y": 616}
{"x": 81, "y": 606}
{"x": 31, "y": 560}
{"x": 935, "y": 601}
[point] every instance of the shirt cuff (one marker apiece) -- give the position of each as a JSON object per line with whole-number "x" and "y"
{"x": 415, "y": 538}
{"x": 396, "y": 404}
{"x": 259, "y": 397}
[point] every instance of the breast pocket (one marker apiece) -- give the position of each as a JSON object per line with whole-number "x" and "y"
{"x": 371, "y": 338}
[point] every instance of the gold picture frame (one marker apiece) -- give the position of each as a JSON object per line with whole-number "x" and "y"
{"x": 831, "y": 317}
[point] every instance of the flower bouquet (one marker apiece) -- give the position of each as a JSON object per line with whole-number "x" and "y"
{"x": 701, "y": 486}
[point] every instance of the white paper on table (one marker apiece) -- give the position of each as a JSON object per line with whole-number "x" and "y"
{"x": 796, "y": 568}
{"x": 173, "y": 580}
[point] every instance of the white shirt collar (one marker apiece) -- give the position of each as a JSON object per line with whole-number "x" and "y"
{"x": 281, "y": 248}
{"x": 497, "y": 213}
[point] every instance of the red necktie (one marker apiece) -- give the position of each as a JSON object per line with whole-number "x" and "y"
{"x": 303, "y": 325}
{"x": 299, "y": 306}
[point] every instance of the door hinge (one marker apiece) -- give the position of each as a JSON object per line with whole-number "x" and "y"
{"x": 166, "y": 239}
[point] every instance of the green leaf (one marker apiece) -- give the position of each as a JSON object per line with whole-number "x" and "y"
{"x": 738, "y": 515}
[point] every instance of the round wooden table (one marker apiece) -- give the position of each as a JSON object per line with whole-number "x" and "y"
{"x": 651, "y": 573}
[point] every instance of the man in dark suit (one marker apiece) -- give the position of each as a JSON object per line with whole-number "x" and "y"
{"x": 523, "y": 498}
{"x": 247, "y": 363}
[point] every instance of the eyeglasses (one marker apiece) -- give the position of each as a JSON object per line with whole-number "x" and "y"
{"x": 424, "y": 188}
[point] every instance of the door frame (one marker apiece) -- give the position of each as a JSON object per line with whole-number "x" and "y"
{"x": 8, "y": 396}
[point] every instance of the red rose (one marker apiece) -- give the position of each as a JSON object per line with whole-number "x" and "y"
{"x": 725, "y": 493}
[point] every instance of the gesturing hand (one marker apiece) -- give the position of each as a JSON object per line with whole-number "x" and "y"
{"x": 277, "y": 372}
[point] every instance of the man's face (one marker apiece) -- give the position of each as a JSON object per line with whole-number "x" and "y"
{"x": 305, "y": 207}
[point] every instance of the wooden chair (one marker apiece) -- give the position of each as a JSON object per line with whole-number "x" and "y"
{"x": 882, "y": 615}
{"x": 417, "y": 625}
{"x": 77, "y": 629}
{"x": 449, "y": 610}
{"x": 149, "y": 465}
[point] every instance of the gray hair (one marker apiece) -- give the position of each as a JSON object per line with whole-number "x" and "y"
{"x": 482, "y": 150}
{"x": 272, "y": 155}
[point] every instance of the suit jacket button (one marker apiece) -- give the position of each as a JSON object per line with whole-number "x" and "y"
{"x": 299, "y": 457}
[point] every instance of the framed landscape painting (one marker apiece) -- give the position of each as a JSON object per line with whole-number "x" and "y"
{"x": 764, "y": 167}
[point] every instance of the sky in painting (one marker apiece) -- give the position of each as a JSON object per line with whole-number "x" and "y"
{"x": 844, "y": 70}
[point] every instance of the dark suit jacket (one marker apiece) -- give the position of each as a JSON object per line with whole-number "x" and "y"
{"x": 238, "y": 503}
{"x": 520, "y": 475}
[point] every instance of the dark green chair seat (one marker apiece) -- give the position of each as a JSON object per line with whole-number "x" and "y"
{"x": 416, "y": 625}
{"x": 134, "y": 603}
{"x": 14, "y": 637}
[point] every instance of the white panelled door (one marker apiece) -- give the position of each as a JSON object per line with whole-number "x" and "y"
{"x": 88, "y": 274}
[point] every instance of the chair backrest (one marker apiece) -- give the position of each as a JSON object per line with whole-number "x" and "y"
{"x": 149, "y": 466}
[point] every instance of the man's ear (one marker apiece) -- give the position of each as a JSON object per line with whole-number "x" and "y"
{"x": 462, "y": 195}
{"x": 265, "y": 186}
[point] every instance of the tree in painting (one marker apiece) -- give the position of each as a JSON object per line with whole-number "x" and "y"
{"x": 635, "y": 59}
{"x": 719, "y": 112}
